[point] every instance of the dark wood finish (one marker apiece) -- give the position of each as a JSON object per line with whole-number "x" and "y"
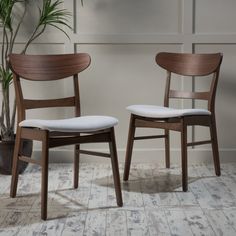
{"x": 15, "y": 173}
{"x": 200, "y": 120}
{"x": 184, "y": 65}
{"x": 63, "y": 140}
{"x": 184, "y": 155}
{"x": 167, "y": 90}
{"x": 55, "y": 67}
{"x": 28, "y": 133}
{"x": 99, "y": 154}
{"x": 167, "y": 148}
{"x": 188, "y": 95}
{"x": 48, "y": 67}
{"x": 76, "y": 165}
{"x": 129, "y": 148}
{"x": 199, "y": 143}
{"x": 149, "y": 137}
{"x": 63, "y": 102}
{"x": 215, "y": 148}
{"x": 148, "y": 123}
{"x": 189, "y": 64}
{"x": 29, "y": 160}
{"x": 44, "y": 178}
{"x": 115, "y": 167}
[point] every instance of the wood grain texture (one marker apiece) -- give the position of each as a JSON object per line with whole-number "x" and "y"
{"x": 189, "y": 64}
{"x": 48, "y": 67}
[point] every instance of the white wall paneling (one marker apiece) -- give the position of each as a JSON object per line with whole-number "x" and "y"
{"x": 123, "y": 37}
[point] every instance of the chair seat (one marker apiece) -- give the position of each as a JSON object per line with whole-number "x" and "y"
{"x": 77, "y": 124}
{"x": 164, "y": 112}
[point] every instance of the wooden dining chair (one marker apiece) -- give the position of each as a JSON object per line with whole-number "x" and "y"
{"x": 166, "y": 118}
{"x": 55, "y": 133}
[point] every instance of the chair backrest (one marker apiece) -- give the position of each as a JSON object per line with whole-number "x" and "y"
{"x": 191, "y": 65}
{"x": 45, "y": 68}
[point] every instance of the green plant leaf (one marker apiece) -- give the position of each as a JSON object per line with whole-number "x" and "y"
{"x": 51, "y": 14}
{"x": 6, "y": 78}
{"x": 6, "y": 7}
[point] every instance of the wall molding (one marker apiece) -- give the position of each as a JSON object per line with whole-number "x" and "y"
{"x": 183, "y": 37}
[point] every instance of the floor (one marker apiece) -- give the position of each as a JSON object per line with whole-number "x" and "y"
{"x": 153, "y": 202}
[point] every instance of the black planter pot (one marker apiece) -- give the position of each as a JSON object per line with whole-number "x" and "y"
{"x": 6, "y": 155}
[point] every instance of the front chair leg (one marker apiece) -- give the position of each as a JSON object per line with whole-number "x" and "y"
{"x": 115, "y": 168}
{"x": 167, "y": 148}
{"x": 14, "y": 179}
{"x": 44, "y": 180}
{"x": 76, "y": 165}
{"x": 129, "y": 148}
{"x": 184, "y": 158}
{"x": 215, "y": 148}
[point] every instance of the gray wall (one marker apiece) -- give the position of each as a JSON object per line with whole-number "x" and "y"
{"x": 123, "y": 37}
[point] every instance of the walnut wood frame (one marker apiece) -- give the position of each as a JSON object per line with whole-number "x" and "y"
{"x": 184, "y": 65}
{"x": 55, "y": 67}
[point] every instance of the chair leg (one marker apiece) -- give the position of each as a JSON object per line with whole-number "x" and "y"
{"x": 184, "y": 158}
{"x": 115, "y": 168}
{"x": 215, "y": 148}
{"x": 76, "y": 166}
{"x": 167, "y": 148}
{"x": 44, "y": 180}
{"x": 129, "y": 148}
{"x": 14, "y": 179}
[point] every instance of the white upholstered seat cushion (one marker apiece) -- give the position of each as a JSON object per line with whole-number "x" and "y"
{"x": 77, "y": 124}
{"x": 152, "y": 111}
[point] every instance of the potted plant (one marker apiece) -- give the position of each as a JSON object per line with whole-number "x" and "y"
{"x": 50, "y": 14}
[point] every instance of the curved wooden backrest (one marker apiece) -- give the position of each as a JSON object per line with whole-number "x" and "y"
{"x": 48, "y": 67}
{"x": 45, "y": 68}
{"x": 189, "y": 64}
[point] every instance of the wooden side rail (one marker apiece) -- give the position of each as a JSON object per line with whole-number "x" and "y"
{"x": 29, "y": 160}
{"x": 92, "y": 153}
{"x": 199, "y": 143}
{"x": 149, "y": 137}
{"x": 189, "y": 95}
{"x": 61, "y": 102}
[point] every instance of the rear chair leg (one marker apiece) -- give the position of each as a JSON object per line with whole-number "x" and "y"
{"x": 129, "y": 148}
{"x": 115, "y": 168}
{"x": 76, "y": 165}
{"x": 44, "y": 180}
{"x": 14, "y": 179}
{"x": 184, "y": 158}
{"x": 167, "y": 148}
{"x": 215, "y": 148}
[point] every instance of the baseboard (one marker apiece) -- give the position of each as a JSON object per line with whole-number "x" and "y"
{"x": 195, "y": 156}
